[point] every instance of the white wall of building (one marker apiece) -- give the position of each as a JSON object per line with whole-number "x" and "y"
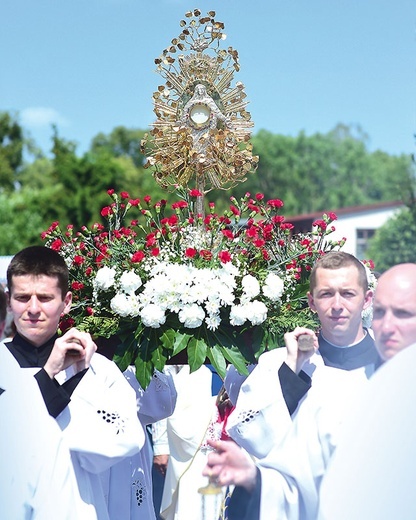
{"x": 369, "y": 219}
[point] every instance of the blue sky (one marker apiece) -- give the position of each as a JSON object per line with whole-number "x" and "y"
{"x": 88, "y": 65}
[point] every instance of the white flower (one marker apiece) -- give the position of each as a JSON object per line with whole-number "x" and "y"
{"x": 213, "y": 321}
{"x": 104, "y": 278}
{"x": 130, "y": 281}
{"x": 238, "y": 315}
{"x": 251, "y": 286}
{"x": 120, "y": 305}
{"x": 256, "y": 312}
{"x": 192, "y": 316}
{"x": 153, "y": 316}
{"x": 273, "y": 287}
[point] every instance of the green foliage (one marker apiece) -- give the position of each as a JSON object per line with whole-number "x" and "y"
{"x": 394, "y": 242}
{"x": 324, "y": 172}
{"x": 11, "y": 150}
{"x": 23, "y": 216}
{"x": 321, "y": 172}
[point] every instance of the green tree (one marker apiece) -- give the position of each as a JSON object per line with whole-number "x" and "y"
{"x": 394, "y": 242}
{"x": 11, "y": 150}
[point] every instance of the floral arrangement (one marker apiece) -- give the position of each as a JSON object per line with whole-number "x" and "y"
{"x": 165, "y": 281}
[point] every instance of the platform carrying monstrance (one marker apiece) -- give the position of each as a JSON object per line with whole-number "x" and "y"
{"x": 201, "y": 137}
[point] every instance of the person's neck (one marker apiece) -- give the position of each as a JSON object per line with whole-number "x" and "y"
{"x": 345, "y": 341}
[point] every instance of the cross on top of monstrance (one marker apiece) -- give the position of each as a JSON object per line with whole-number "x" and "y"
{"x": 201, "y": 137}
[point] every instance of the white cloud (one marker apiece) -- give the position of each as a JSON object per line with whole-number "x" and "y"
{"x": 36, "y": 117}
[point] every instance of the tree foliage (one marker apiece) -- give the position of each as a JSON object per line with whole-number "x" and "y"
{"x": 321, "y": 172}
{"x": 394, "y": 242}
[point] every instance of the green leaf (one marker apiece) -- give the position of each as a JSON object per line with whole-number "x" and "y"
{"x": 125, "y": 352}
{"x": 181, "y": 342}
{"x": 217, "y": 360}
{"x": 197, "y": 353}
{"x": 144, "y": 372}
{"x": 235, "y": 357}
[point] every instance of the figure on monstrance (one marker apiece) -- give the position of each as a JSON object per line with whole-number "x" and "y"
{"x": 202, "y": 132}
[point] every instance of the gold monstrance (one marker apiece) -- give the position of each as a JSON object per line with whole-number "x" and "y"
{"x": 202, "y": 132}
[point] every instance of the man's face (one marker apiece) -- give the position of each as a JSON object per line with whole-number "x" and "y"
{"x": 339, "y": 300}
{"x": 36, "y": 303}
{"x": 394, "y": 311}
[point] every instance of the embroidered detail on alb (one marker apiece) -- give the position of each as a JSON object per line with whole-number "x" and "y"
{"x": 140, "y": 491}
{"x": 112, "y": 418}
{"x": 246, "y": 417}
{"x": 159, "y": 384}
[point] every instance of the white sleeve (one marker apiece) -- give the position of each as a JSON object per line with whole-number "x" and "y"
{"x": 292, "y": 472}
{"x": 100, "y": 423}
{"x": 160, "y": 438}
{"x": 261, "y": 419}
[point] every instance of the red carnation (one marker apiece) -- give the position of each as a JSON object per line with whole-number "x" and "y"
{"x": 137, "y": 257}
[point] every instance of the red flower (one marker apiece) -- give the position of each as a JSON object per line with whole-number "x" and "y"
{"x": 190, "y": 252}
{"x": 106, "y": 211}
{"x": 124, "y": 195}
{"x": 155, "y": 251}
{"x": 147, "y": 199}
{"x": 150, "y": 240}
{"x": 224, "y": 256}
{"x": 66, "y": 324}
{"x": 321, "y": 224}
{"x": 228, "y": 233}
{"x": 77, "y": 286}
{"x": 259, "y": 196}
{"x": 180, "y": 204}
{"x": 195, "y": 193}
{"x": 332, "y": 216}
{"x": 56, "y": 244}
{"x": 137, "y": 257}
{"x": 79, "y": 260}
{"x": 134, "y": 202}
{"x": 110, "y": 192}
{"x": 205, "y": 254}
{"x": 275, "y": 203}
{"x": 235, "y": 210}
{"x": 173, "y": 220}
{"x": 88, "y": 271}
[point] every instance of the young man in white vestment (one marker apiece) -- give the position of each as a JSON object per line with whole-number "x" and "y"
{"x": 87, "y": 394}
{"x": 339, "y": 293}
{"x": 37, "y": 480}
{"x": 286, "y": 484}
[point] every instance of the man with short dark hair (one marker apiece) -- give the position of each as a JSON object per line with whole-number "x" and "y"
{"x": 86, "y": 393}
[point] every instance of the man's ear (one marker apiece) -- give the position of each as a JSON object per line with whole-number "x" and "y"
{"x": 67, "y": 302}
{"x": 368, "y": 299}
{"x": 311, "y": 301}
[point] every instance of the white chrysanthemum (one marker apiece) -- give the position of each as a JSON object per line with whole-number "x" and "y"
{"x": 104, "y": 278}
{"x": 130, "y": 281}
{"x": 153, "y": 316}
{"x": 213, "y": 305}
{"x": 273, "y": 287}
{"x": 213, "y": 321}
{"x": 192, "y": 316}
{"x": 256, "y": 312}
{"x": 120, "y": 305}
{"x": 251, "y": 286}
{"x": 238, "y": 315}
